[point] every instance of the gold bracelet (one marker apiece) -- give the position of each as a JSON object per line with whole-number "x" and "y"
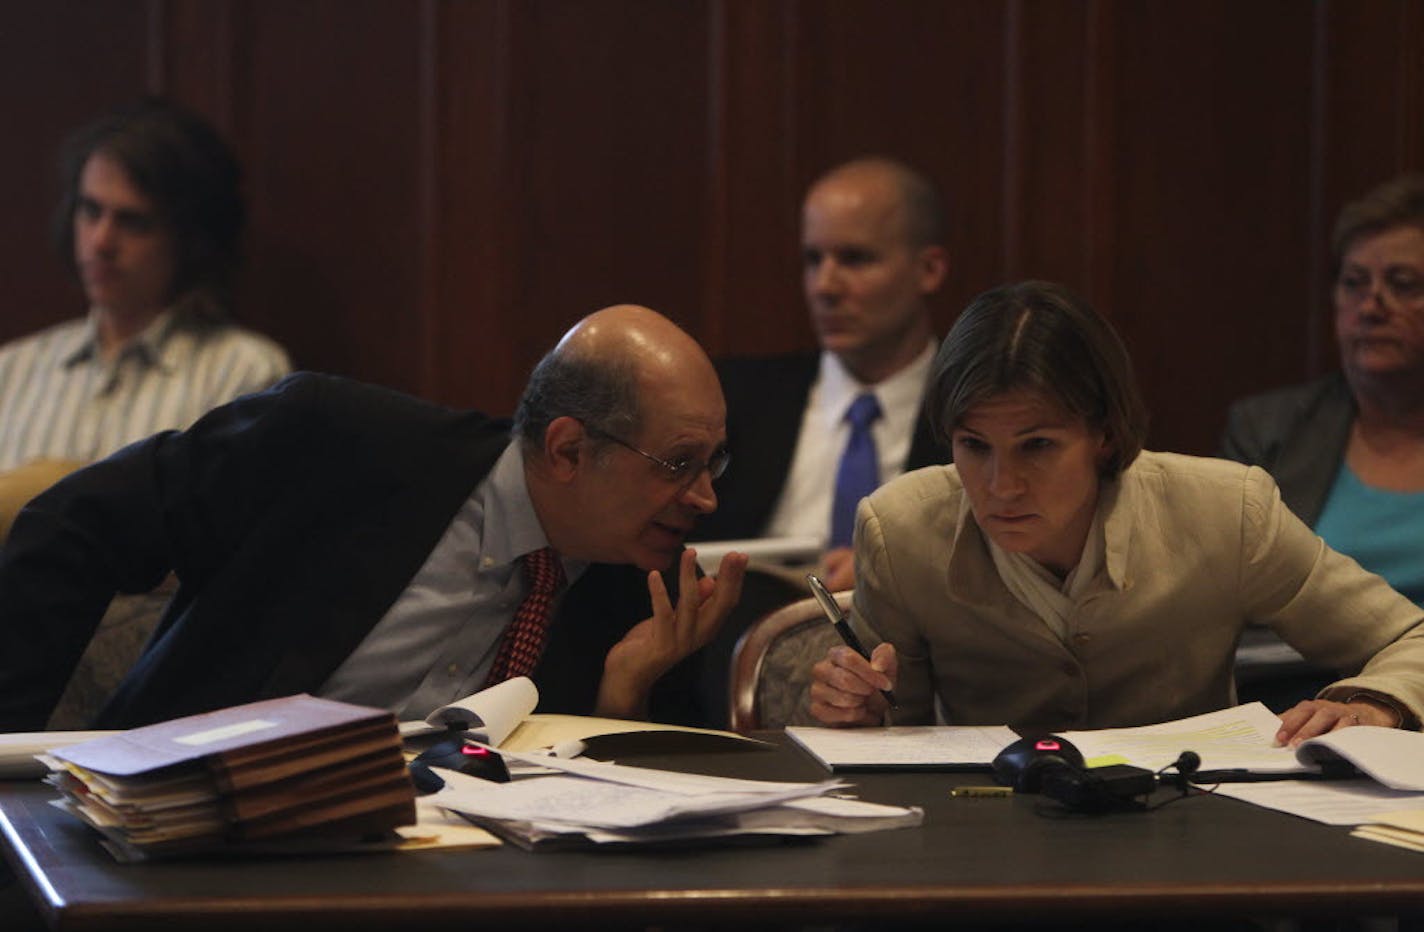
{"x": 1379, "y": 700}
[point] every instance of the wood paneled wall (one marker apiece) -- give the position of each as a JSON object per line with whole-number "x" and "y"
{"x": 439, "y": 188}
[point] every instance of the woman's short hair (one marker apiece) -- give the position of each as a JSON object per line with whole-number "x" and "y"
{"x": 1039, "y": 337}
{"x": 1396, "y": 203}
{"x": 181, "y": 163}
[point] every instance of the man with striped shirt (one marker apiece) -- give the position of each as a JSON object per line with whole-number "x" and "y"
{"x": 149, "y": 225}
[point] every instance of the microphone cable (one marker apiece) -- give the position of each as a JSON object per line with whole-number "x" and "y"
{"x": 1186, "y": 765}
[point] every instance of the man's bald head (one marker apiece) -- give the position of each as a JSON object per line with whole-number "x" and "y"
{"x": 605, "y": 365}
{"x": 923, "y": 206}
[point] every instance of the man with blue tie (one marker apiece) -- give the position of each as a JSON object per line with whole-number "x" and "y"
{"x": 813, "y": 433}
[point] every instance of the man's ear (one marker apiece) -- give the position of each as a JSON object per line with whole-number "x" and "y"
{"x": 933, "y": 262}
{"x": 565, "y": 447}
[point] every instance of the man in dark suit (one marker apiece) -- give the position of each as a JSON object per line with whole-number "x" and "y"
{"x": 872, "y": 242}
{"x": 344, "y": 540}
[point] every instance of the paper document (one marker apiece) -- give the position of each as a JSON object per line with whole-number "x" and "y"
{"x": 503, "y": 717}
{"x": 489, "y": 715}
{"x": 1404, "y": 829}
{"x": 548, "y": 729}
{"x": 609, "y": 803}
{"x": 669, "y": 780}
{"x": 436, "y": 828}
{"x": 1241, "y": 738}
{"x": 801, "y": 551}
{"x": 904, "y": 747}
{"x": 1334, "y": 802}
{"x": 576, "y": 802}
{"x": 18, "y": 750}
{"x": 1393, "y": 756}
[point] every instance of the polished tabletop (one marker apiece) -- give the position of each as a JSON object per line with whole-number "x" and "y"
{"x": 990, "y": 859}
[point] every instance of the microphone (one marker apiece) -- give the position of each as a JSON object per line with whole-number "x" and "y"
{"x": 1050, "y": 765}
{"x": 1186, "y": 764}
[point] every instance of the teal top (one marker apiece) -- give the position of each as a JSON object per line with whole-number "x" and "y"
{"x": 1382, "y": 530}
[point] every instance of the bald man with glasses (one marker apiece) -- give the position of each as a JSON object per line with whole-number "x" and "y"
{"x": 343, "y": 540}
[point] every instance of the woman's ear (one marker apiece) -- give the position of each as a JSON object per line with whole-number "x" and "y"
{"x": 1107, "y": 451}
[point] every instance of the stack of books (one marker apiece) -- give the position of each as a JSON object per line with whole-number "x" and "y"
{"x": 297, "y": 769}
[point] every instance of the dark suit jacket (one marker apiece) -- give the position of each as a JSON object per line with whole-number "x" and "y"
{"x": 1296, "y": 434}
{"x": 293, "y": 519}
{"x": 766, "y": 398}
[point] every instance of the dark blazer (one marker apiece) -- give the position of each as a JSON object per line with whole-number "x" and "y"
{"x": 1296, "y": 434}
{"x": 766, "y": 399}
{"x": 293, "y": 519}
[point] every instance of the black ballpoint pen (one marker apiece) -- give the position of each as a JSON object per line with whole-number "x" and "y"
{"x": 842, "y": 625}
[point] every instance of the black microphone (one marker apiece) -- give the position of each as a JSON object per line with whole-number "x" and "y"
{"x": 1051, "y": 765}
{"x": 1186, "y": 764}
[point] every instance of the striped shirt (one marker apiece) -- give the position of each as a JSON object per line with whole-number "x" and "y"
{"x": 59, "y": 399}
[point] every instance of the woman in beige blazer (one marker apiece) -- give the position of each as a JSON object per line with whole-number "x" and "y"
{"x": 1058, "y": 577}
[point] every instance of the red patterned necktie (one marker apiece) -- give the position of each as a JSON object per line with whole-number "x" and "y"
{"x": 526, "y": 635}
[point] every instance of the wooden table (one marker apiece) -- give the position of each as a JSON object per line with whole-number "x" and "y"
{"x": 996, "y": 860}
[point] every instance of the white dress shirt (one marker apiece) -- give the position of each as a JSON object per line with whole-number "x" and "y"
{"x": 804, "y": 508}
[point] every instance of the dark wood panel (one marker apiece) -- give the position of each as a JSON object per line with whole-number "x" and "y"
{"x": 61, "y": 64}
{"x": 753, "y": 240}
{"x": 474, "y": 320}
{"x": 921, "y": 80}
{"x": 439, "y": 188}
{"x": 1050, "y": 169}
{"x": 198, "y": 58}
{"x": 1212, "y": 221}
{"x": 609, "y": 139}
{"x": 1371, "y": 116}
{"x": 331, "y": 106}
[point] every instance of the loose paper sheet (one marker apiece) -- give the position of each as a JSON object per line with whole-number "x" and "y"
{"x": 904, "y": 745}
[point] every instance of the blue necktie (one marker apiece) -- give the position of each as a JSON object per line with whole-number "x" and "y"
{"x": 859, "y": 472}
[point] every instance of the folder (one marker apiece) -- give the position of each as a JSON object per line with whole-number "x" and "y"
{"x": 265, "y": 770}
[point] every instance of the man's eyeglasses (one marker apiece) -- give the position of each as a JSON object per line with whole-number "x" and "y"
{"x": 684, "y": 470}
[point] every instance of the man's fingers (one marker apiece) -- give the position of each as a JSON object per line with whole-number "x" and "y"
{"x": 688, "y": 591}
{"x": 725, "y": 592}
{"x": 730, "y": 574}
{"x": 657, "y": 591}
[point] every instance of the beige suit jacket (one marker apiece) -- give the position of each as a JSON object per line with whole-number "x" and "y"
{"x": 1195, "y": 549}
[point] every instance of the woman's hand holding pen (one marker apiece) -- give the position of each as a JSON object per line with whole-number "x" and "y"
{"x": 846, "y": 689}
